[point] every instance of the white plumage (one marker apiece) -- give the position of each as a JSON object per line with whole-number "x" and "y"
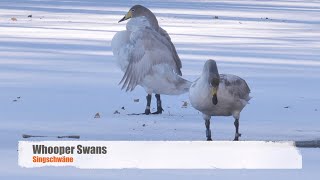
{"x": 232, "y": 95}
{"x": 146, "y": 55}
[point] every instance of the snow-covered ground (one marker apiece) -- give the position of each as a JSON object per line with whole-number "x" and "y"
{"x": 59, "y": 62}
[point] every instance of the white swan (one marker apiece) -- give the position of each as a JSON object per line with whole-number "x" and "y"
{"x": 147, "y": 57}
{"x": 219, "y": 95}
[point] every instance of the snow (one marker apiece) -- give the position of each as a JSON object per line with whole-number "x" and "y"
{"x": 61, "y": 65}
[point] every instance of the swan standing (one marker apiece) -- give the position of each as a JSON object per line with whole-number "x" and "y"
{"x": 147, "y": 57}
{"x": 216, "y": 94}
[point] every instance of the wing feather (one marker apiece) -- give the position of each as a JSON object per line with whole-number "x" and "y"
{"x": 173, "y": 50}
{"x": 147, "y": 49}
{"x": 236, "y": 86}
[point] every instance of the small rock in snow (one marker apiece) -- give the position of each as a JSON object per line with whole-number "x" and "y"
{"x": 116, "y": 112}
{"x": 185, "y": 104}
{"x": 97, "y": 115}
{"x": 136, "y": 100}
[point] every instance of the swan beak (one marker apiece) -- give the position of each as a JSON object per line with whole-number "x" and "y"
{"x": 127, "y": 16}
{"x": 214, "y": 95}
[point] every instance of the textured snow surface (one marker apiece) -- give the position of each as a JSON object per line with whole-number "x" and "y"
{"x": 59, "y": 62}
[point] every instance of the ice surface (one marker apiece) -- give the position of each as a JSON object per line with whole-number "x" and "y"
{"x": 60, "y": 64}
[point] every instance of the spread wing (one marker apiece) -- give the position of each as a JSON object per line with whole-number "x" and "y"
{"x": 172, "y": 49}
{"x": 147, "y": 49}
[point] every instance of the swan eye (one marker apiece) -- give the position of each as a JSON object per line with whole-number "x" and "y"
{"x": 132, "y": 10}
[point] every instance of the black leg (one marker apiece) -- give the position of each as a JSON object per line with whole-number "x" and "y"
{"x": 208, "y": 131}
{"x": 236, "y": 125}
{"x": 159, "y": 107}
{"x": 147, "y": 111}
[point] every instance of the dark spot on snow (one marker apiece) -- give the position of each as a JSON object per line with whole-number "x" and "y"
{"x": 97, "y": 115}
{"x": 15, "y": 100}
{"x": 30, "y": 16}
{"x": 122, "y": 107}
{"x": 143, "y": 125}
{"x": 286, "y": 107}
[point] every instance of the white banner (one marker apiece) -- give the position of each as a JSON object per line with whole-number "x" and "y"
{"x": 160, "y": 154}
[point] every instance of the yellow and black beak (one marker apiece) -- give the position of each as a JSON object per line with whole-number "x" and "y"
{"x": 127, "y": 16}
{"x": 214, "y": 95}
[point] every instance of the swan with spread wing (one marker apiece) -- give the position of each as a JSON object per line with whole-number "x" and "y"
{"x": 147, "y": 56}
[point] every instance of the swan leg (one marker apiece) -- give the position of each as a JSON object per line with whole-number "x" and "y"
{"x": 159, "y": 106}
{"x": 237, "y": 134}
{"x": 147, "y": 111}
{"x": 208, "y": 131}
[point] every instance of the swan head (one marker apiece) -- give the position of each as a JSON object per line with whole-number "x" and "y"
{"x": 211, "y": 74}
{"x": 136, "y": 11}
{"x": 141, "y": 11}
